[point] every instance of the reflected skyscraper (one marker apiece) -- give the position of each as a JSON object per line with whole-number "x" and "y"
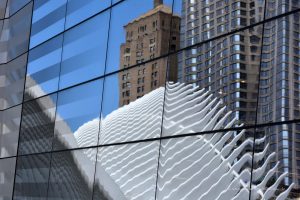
{"x": 147, "y": 37}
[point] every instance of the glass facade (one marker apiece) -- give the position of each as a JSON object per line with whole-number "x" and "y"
{"x": 152, "y": 99}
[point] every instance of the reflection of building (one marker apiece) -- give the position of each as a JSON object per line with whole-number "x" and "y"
{"x": 228, "y": 66}
{"x": 209, "y": 166}
{"x": 147, "y": 37}
{"x": 279, "y": 98}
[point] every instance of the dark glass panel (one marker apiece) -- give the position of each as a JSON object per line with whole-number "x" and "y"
{"x": 72, "y": 174}
{"x": 7, "y": 172}
{"x": 37, "y": 126}
{"x": 15, "y": 34}
{"x": 32, "y": 176}
{"x": 13, "y": 6}
{"x": 12, "y": 84}
{"x": 9, "y": 131}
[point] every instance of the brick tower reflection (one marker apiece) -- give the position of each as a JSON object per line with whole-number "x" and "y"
{"x": 147, "y": 37}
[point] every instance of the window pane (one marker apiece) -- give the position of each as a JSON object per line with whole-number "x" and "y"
{"x": 280, "y": 161}
{"x": 43, "y": 69}
{"x": 72, "y": 174}
{"x": 84, "y": 51}
{"x": 142, "y": 29}
{"x": 37, "y": 125}
{"x": 204, "y": 20}
{"x": 77, "y": 117}
{"x": 48, "y": 20}
{"x": 127, "y": 171}
{"x": 9, "y": 132}
{"x": 133, "y": 103}
{"x": 279, "y": 88}
{"x": 210, "y": 166}
{"x": 7, "y": 172}
{"x": 274, "y": 8}
{"x": 11, "y": 89}
{"x": 32, "y": 175}
{"x": 13, "y": 6}
{"x": 15, "y": 34}
{"x": 79, "y": 10}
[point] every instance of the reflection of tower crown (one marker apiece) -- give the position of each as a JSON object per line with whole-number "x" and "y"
{"x": 157, "y": 3}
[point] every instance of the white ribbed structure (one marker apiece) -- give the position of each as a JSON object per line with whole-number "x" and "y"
{"x": 211, "y": 166}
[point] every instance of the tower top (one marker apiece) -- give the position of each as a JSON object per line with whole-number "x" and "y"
{"x": 157, "y": 3}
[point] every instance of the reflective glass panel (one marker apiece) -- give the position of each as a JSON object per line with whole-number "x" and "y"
{"x": 133, "y": 103}
{"x": 32, "y": 176}
{"x": 279, "y": 88}
{"x": 2, "y": 8}
{"x": 127, "y": 171}
{"x": 43, "y": 68}
{"x": 84, "y": 51}
{"x": 72, "y": 174}
{"x": 139, "y": 31}
{"x": 13, "y": 6}
{"x": 208, "y": 166}
{"x": 79, "y": 10}
{"x": 9, "y": 131}
{"x": 279, "y": 164}
{"x": 12, "y": 82}
{"x": 214, "y": 85}
{"x": 77, "y": 116}
{"x": 205, "y": 19}
{"x": 275, "y": 8}
{"x": 7, "y": 173}
{"x": 37, "y": 126}
{"x": 15, "y": 34}
{"x": 48, "y": 20}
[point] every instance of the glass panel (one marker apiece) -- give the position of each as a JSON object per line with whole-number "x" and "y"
{"x": 12, "y": 82}
{"x": 280, "y": 162}
{"x": 32, "y": 176}
{"x": 9, "y": 131}
{"x": 279, "y": 94}
{"x": 72, "y": 174}
{"x": 48, "y": 20}
{"x": 84, "y": 51}
{"x": 139, "y": 31}
{"x": 214, "y": 85}
{"x": 7, "y": 174}
{"x": 274, "y": 7}
{"x": 15, "y": 34}
{"x": 79, "y": 10}
{"x": 43, "y": 69}
{"x": 77, "y": 117}
{"x": 14, "y": 5}
{"x": 205, "y": 19}
{"x": 37, "y": 125}
{"x": 133, "y": 103}
{"x": 2, "y": 8}
{"x": 127, "y": 171}
{"x": 210, "y": 166}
